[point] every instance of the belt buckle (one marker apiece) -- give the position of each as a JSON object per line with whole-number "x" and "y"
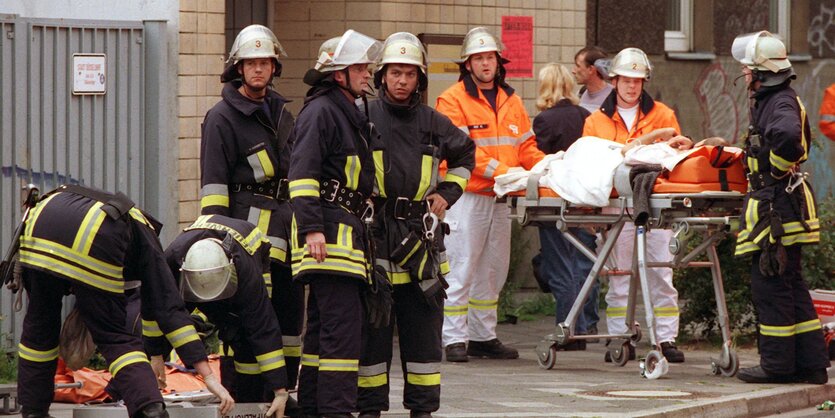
{"x": 335, "y": 191}
{"x": 400, "y": 217}
{"x": 281, "y": 186}
{"x": 236, "y": 188}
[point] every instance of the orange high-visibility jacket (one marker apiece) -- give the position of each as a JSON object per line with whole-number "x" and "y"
{"x": 827, "y": 121}
{"x": 606, "y": 122}
{"x": 503, "y": 138}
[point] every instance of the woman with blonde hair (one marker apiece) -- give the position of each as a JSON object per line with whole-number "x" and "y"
{"x": 560, "y": 264}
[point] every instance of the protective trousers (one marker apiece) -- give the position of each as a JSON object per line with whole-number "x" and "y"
{"x": 240, "y": 374}
{"x": 419, "y": 323}
{"x": 328, "y": 378}
{"x": 790, "y": 338}
{"x": 478, "y": 248}
{"x": 288, "y": 303}
{"x": 663, "y": 295}
{"x": 104, "y": 315}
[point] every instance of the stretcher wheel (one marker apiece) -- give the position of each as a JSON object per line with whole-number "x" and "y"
{"x": 636, "y": 337}
{"x": 733, "y": 366}
{"x": 621, "y": 356}
{"x": 654, "y": 366}
{"x": 548, "y": 359}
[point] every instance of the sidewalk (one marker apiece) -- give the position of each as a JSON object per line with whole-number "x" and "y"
{"x": 582, "y": 385}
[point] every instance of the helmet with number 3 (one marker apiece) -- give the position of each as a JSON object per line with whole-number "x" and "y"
{"x": 253, "y": 41}
{"x": 403, "y": 48}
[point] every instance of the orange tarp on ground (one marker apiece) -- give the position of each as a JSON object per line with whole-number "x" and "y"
{"x": 94, "y": 382}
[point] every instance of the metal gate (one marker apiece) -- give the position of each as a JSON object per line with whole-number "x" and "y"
{"x": 51, "y": 136}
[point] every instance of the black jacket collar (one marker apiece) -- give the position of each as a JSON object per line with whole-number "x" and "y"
{"x": 234, "y": 98}
{"x": 610, "y": 104}
{"x": 414, "y": 101}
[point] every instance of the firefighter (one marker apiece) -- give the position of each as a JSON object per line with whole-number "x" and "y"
{"x": 413, "y": 140}
{"x": 827, "y": 113}
{"x": 628, "y": 113}
{"x": 225, "y": 267}
{"x": 485, "y": 107}
{"x": 331, "y": 176}
{"x": 779, "y": 215}
{"x": 244, "y": 157}
{"x": 96, "y": 245}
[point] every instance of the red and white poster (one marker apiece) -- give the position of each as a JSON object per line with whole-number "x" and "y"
{"x": 517, "y": 36}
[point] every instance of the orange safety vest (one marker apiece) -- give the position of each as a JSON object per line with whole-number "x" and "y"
{"x": 827, "y": 114}
{"x": 503, "y": 138}
{"x": 606, "y": 122}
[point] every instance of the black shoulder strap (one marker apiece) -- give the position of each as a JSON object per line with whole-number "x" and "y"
{"x": 115, "y": 205}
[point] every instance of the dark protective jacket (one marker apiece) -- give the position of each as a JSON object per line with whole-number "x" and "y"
{"x": 557, "y": 127}
{"x": 72, "y": 236}
{"x": 248, "y": 315}
{"x": 413, "y": 140}
{"x": 779, "y": 118}
{"x": 332, "y": 143}
{"x": 244, "y": 158}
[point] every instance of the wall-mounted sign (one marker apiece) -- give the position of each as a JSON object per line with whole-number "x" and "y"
{"x": 88, "y": 74}
{"x": 517, "y": 37}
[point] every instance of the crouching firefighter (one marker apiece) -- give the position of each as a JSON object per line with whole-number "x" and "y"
{"x": 223, "y": 267}
{"x": 95, "y": 245}
{"x": 779, "y": 216}
{"x": 408, "y": 230}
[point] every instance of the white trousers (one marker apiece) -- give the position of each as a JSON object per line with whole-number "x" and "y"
{"x": 660, "y": 280}
{"x": 478, "y": 248}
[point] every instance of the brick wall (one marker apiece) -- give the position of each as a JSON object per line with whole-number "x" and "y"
{"x": 201, "y": 54}
{"x": 301, "y": 26}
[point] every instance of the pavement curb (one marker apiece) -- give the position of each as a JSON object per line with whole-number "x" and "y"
{"x": 752, "y": 404}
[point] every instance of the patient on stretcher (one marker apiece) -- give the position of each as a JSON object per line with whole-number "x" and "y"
{"x": 585, "y": 173}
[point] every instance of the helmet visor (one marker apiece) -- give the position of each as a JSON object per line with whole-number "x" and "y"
{"x": 743, "y": 48}
{"x": 356, "y": 48}
{"x": 209, "y": 284}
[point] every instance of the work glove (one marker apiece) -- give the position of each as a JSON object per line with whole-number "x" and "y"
{"x": 214, "y": 386}
{"x": 278, "y": 404}
{"x": 158, "y": 366}
{"x": 773, "y": 258}
{"x": 377, "y": 299}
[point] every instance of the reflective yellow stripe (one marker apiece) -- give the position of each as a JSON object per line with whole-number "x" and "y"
{"x": 87, "y": 230}
{"x": 182, "y": 336}
{"x": 424, "y": 379}
{"x": 779, "y": 162}
{"x": 445, "y": 267}
{"x": 804, "y": 238}
{"x": 425, "y": 177}
{"x": 455, "y": 310}
{"x": 63, "y": 253}
{"x": 777, "y": 331}
{"x": 811, "y": 325}
{"x": 247, "y": 368}
{"x": 199, "y": 314}
{"x": 271, "y": 361}
{"x": 484, "y": 304}
{"x": 37, "y": 356}
{"x": 138, "y": 216}
{"x": 373, "y": 381}
{"x": 214, "y": 200}
{"x": 127, "y": 359}
{"x": 745, "y": 248}
{"x": 151, "y": 329}
{"x": 804, "y": 142}
{"x": 380, "y": 172}
{"x": 268, "y": 282}
{"x": 810, "y": 203}
{"x": 251, "y": 242}
{"x": 266, "y": 164}
{"x": 338, "y": 365}
{"x": 400, "y": 277}
{"x": 35, "y": 213}
{"x": 665, "y": 311}
{"x": 460, "y": 181}
{"x": 71, "y": 271}
{"x": 292, "y": 345}
{"x": 340, "y": 258}
{"x": 304, "y": 187}
{"x": 618, "y": 311}
{"x": 352, "y": 172}
{"x": 345, "y": 236}
{"x": 310, "y": 360}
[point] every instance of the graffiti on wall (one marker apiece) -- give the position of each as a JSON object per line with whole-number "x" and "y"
{"x": 719, "y": 109}
{"x": 821, "y": 34}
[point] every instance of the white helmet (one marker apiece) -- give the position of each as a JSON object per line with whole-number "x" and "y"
{"x": 631, "y": 62}
{"x": 353, "y": 48}
{"x": 480, "y": 40}
{"x": 761, "y": 51}
{"x": 207, "y": 272}
{"x": 253, "y": 41}
{"x": 404, "y": 48}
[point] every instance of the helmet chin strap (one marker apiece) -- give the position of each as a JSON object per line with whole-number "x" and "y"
{"x": 624, "y": 99}
{"x": 347, "y": 86}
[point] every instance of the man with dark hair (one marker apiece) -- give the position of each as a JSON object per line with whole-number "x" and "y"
{"x": 591, "y": 71}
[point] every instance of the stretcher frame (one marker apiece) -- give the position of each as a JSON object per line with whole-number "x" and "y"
{"x": 713, "y": 214}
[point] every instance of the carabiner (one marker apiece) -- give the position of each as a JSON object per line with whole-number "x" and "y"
{"x": 797, "y": 180}
{"x": 430, "y": 224}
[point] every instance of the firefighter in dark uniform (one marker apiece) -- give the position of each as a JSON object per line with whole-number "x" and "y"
{"x": 779, "y": 216}
{"x": 95, "y": 245}
{"x": 331, "y": 176}
{"x": 413, "y": 140}
{"x": 244, "y": 156}
{"x": 225, "y": 266}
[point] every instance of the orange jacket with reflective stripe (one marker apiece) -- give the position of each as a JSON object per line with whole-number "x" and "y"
{"x": 606, "y": 122}
{"x": 827, "y": 122}
{"x": 503, "y": 138}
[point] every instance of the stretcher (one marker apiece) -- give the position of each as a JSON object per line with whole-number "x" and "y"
{"x": 712, "y": 214}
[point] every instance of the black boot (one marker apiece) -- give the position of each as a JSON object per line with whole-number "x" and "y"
{"x": 152, "y": 410}
{"x": 35, "y": 413}
{"x": 671, "y": 352}
{"x": 814, "y": 376}
{"x": 369, "y": 414}
{"x": 420, "y": 414}
{"x": 456, "y": 352}
{"x": 758, "y": 375}
{"x": 491, "y": 349}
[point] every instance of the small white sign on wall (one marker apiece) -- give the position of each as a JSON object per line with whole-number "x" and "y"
{"x": 88, "y": 74}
